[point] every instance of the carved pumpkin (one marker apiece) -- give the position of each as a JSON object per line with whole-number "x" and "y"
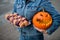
{"x": 42, "y": 20}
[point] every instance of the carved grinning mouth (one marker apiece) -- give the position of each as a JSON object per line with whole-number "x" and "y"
{"x": 40, "y": 21}
{"x": 43, "y": 21}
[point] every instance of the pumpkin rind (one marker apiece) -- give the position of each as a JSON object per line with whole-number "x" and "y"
{"x": 42, "y": 20}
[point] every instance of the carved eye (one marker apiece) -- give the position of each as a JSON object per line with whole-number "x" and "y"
{"x": 46, "y": 16}
{"x": 41, "y": 15}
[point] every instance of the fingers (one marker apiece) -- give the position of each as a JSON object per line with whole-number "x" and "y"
{"x": 41, "y": 30}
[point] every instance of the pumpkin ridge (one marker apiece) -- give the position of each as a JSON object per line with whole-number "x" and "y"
{"x": 42, "y": 20}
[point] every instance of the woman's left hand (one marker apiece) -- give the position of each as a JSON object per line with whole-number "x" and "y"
{"x": 41, "y": 30}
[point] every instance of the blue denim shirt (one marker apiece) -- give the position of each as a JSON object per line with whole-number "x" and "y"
{"x": 28, "y": 9}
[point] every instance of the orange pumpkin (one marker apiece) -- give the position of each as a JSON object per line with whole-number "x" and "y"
{"x": 42, "y": 20}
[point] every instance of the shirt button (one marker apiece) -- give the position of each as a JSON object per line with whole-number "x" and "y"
{"x": 18, "y": 6}
{"x": 24, "y": 32}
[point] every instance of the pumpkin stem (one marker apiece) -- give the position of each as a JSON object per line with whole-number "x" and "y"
{"x": 43, "y": 10}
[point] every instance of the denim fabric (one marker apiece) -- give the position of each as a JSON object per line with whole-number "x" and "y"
{"x": 29, "y": 33}
{"x": 28, "y": 9}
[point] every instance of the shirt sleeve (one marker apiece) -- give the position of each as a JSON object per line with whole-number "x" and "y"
{"x": 14, "y": 7}
{"x": 14, "y": 10}
{"x": 46, "y": 4}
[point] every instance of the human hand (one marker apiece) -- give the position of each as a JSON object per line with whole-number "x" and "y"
{"x": 41, "y": 30}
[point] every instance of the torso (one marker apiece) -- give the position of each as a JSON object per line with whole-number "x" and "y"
{"x": 28, "y": 10}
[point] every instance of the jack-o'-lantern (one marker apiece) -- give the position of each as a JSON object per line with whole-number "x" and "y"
{"x": 42, "y": 20}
